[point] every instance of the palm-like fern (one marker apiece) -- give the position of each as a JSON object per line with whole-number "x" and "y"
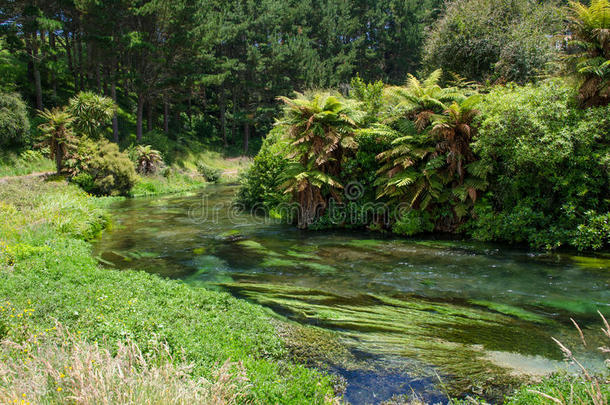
{"x": 57, "y": 134}
{"x": 321, "y": 129}
{"x": 148, "y": 160}
{"x": 91, "y": 112}
{"x": 436, "y": 168}
{"x": 419, "y": 100}
{"x": 591, "y": 35}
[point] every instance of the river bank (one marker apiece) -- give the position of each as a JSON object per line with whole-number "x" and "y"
{"x": 50, "y": 279}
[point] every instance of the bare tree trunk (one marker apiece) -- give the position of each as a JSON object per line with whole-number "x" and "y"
{"x": 223, "y": 118}
{"x": 139, "y": 113}
{"x": 246, "y": 136}
{"x": 36, "y": 72}
{"x": 149, "y": 116}
{"x": 115, "y": 119}
{"x": 165, "y": 115}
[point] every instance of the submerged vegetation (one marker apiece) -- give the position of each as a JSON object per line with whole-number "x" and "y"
{"x": 471, "y": 119}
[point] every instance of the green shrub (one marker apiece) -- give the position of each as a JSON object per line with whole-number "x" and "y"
{"x": 594, "y": 233}
{"x": 209, "y": 173}
{"x": 413, "y": 222}
{"x": 14, "y": 121}
{"x": 491, "y": 39}
{"x": 550, "y": 172}
{"x": 101, "y": 169}
{"x": 260, "y": 184}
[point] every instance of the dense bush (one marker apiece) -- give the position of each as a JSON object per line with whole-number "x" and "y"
{"x": 101, "y": 168}
{"x": 211, "y": 174}
{"x": 550, "y": 177}
{"x": 504, "y": 40}
{"x": 14, "y": 121}
{"x": 260, "y": 184}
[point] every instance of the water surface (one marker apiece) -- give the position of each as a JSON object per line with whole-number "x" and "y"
{"x": 416, "y": 315}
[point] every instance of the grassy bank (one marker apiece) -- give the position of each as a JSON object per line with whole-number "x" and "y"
{"x": 50, "y": 278}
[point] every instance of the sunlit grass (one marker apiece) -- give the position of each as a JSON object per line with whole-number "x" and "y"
{"x": 13, "y": 164}
{"x": 49, "y": 276}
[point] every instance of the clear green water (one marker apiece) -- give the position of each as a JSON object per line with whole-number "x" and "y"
{"x": 428, "y": 316}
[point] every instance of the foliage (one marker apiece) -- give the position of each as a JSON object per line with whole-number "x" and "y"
{"x": 419, "y": 100}
{"x": 171, "y": 181}
{"x": 494, "y": 40}
{"x": 26, "y": 162}
{"x": 433, "y": 167}
{"x": 101, "y": 169}
{"x": 260, "y": 184}
{"x": 57, "y": 134}
{"x": 591, "y": 39}
{"x": 147, "y": 159}
{"x": 14, "y": 120}
{"x": 413, "y": 222}
{"x": 321, "y": 129}
{"x": 550, "y": 167}
{"x": 91, "y": 113}
{"x": 63, "y": 283}
{"x": 209, "y": 173}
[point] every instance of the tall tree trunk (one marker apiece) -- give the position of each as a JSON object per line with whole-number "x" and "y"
{"x": 149, "y": 116}
{"x": 115, "y": 119}
{"x": 58, "y": 158}
{"x": 165, "y": 115}
{"x": 223, "y": 118}
{"x": 54, "y": 58}
{"x": 36, "y": 70}
{"x": 246, "y": 136}
{"x": 139, "y": 113}
{"x": 234, "y": 121}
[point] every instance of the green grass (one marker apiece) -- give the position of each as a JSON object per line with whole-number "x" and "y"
{"x": 230, "y": 167}
{"x": 48, "y": 276}
{"x": 13, "y": 164}
{"x": 175, "y": 183}
{"x": 568, "y": 389}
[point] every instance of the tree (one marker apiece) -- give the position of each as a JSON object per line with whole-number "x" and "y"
{"x": 431, "y": 165}
{"x": 495, "y": 40}
{"x": 419, "y": 100}
{"x": 14, "y": 121}
{"x": 57, "y": 134}
{"x": 321, "y": 128}
{"x": 91, "y": 113}
{"x": 591, "y": 37}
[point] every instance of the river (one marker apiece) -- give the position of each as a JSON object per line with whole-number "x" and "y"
{"x": 429, "y": 317}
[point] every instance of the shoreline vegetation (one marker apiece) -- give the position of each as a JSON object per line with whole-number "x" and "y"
{"x": 54, "y": 291}
{"x": 66, "y": 323}
{"x": 480, "y": 119}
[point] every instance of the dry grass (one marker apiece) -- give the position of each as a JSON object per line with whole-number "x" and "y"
{"x": 59, "y": 367}
{"x": 593, "y": 383}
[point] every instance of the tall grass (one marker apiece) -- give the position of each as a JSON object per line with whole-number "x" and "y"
{"x": 58, "y": 367}
{"x": 12, "y": 164}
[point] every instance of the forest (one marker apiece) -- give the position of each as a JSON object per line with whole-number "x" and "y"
{"x": 315, "y": 201}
